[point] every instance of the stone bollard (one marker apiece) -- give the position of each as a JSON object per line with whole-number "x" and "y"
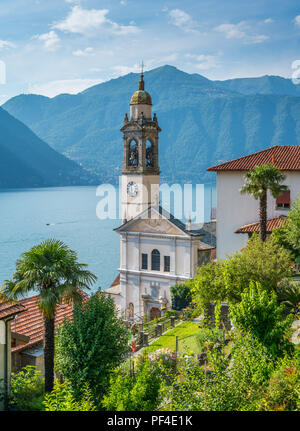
{"x": 159, "y": 329}
{"x": 156, "y": 331}
{"x": 172, "y": 318}
{"x": 141, "y": 327}
{"x": 141, "y": 338}
{"x": 145, "y": 339}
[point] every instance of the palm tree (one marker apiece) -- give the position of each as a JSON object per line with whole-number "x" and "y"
{"x": 50, "y": 268}
{"x": 258, "y": 182}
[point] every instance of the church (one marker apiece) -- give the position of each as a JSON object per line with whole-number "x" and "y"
{"x": 157, "y": 250}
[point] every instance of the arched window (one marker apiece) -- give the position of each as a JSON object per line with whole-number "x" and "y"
{"x": 133, "y": 155}
{"x": 155, "y": 260}
{"x": 149, "y": 153}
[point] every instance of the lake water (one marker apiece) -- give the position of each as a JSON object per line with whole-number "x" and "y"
{"x": 29, "y": 216}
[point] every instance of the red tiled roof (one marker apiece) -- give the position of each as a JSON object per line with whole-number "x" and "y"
{"x": 285, "y": 157}
{"x": 10, "y": 308}
{"x": 255, "y": 227}
{"x": 31, "y": 322}
{"x": 116, "y": 282}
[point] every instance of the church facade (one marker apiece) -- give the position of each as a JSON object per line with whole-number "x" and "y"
{"x": 156, "y": 249}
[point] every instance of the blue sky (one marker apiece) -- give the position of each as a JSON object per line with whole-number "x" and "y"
{"x": 50, "y": 47}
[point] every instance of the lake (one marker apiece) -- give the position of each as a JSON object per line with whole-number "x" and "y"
{"x": 29, "y": 216}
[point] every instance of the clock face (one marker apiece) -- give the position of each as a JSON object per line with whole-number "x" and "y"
{"x": 132, "y": 189}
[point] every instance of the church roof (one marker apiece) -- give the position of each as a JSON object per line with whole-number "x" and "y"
{"x": 195, "y": 230}
{"x": 208, "y": 230}
{"x": 141, "y": 97}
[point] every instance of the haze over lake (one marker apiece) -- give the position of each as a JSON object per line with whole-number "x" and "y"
{"x": 29, "y": 216}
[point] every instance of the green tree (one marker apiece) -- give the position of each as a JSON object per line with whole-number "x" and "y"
{"x": 259, "y": 181}
{"x": 50, "y": 268}
{"x": 90, "y": 346}
{"x": 259, "y": 315}
{"x": 140, "y": 393}
{"x": 181, "y": 295}
{"x": 265, "y": 262}
{"x": 288, "y": 235}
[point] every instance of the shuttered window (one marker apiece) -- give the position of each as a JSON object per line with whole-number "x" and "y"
{"x": 144, "y": 261}
{"x": 167, "y": 263}
{"x": 284, "y": 200}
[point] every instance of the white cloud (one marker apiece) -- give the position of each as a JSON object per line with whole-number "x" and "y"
{"x": 87, "y": 21}
{"x": 232, "y": 30}
{"x": 6, "y": 44}
{"x": 51, "y": 40}
{"x": 83, "y": 52}
{"x": 181, "y": 19}
{"x": 239, "y": 31}
{"x": 297, "y": 20}
{"x": 204, "y": 62}
{"x": 124, "y": 70}
{"x": 70, "y": 86}
{"x": 268, "y": 20}
{"x": 257, "y": 39}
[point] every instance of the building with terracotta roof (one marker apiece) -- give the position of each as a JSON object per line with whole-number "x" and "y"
{"x": 237, "y": 214}
{"x": 8, "y": 312}
{"x": 28, "y": 332}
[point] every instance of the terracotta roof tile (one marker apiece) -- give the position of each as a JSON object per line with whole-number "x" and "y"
{"x": 285, "y": 157}
{"x": 31, "y": 322}
{"x": 255, "y": 227}
{"x": 116, "y": 282}
{"x": 10, "y": 308}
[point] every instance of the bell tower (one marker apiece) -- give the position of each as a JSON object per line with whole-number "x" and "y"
{"x": 140, "y": 172}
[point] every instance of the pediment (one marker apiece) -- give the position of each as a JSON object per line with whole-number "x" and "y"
{"x": 157, "y": 225}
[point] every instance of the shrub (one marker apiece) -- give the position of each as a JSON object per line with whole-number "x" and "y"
{"x": 61, "y": 398}
{"x": 181, "y": 295}
{"x": 267, "y": 263}
{"x": 250, "y": 370}
{"x": 288, "y": 293}
{"x": 208, "y": 337}
{"x": 27, "y": 390}
{"x": 170, "y": 313}
{"x": 91, "y": 345}
{"x": 283, "y": 391}
{"x": 140, "y": 393}
{"x": 259, "y": 315}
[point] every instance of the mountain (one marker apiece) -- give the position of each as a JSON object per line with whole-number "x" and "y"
{"x": 27, "y": 161}
{"x": 203, "y": 122}
{"x": 261, "y": 85}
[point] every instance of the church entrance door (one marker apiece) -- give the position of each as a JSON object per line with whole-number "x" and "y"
{"x": 155, "y": 313}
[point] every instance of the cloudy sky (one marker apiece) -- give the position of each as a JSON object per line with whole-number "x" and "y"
{"x": 49, "y": 47}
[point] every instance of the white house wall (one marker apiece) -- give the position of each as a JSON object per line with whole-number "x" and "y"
{"x": 235, "y": 210}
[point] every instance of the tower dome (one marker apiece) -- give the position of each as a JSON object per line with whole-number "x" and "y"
{"x": 141, "y": 97}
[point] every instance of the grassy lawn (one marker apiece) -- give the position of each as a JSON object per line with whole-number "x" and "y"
{"x": 185, "y": 332}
